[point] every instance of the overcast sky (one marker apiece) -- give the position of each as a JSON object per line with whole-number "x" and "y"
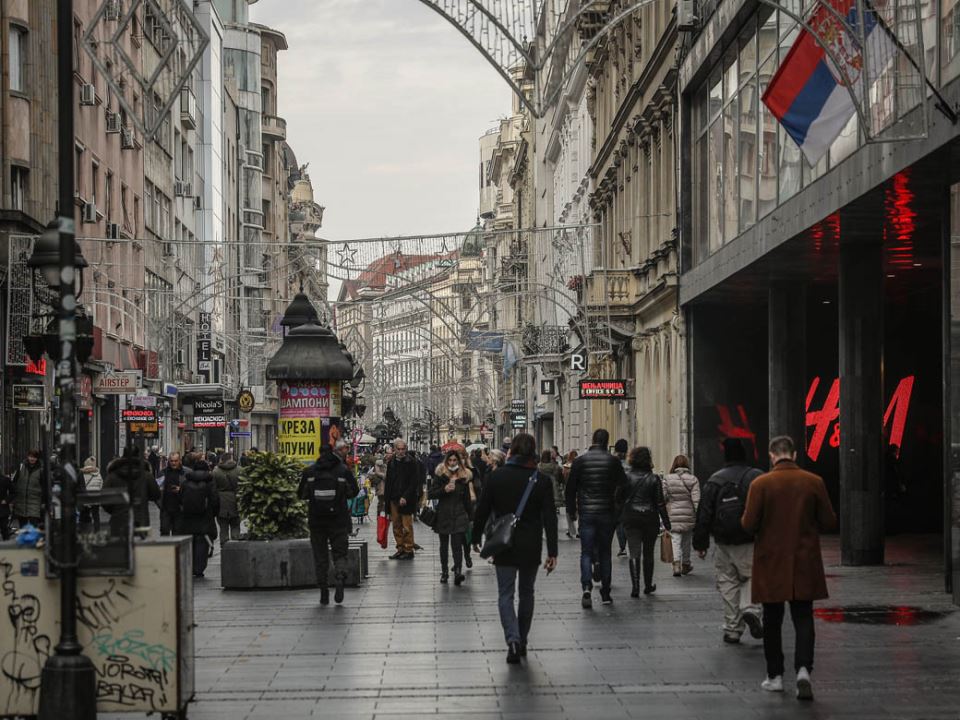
{"x": 386, "y": 101}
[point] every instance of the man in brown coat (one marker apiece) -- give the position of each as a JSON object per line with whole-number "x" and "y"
{"x": 786, "y": 510}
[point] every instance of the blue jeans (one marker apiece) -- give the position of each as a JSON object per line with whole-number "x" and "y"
{"x": 596, "y": 537}
{"x": 516, "y": 622}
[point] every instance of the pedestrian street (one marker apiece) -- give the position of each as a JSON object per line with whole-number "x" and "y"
{"x": 403, "y": 645}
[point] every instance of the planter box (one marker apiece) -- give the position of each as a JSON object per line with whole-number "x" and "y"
{"x": 249, "y": 564}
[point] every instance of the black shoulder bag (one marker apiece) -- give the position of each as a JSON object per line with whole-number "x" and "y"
{"x": 499, "y": 534}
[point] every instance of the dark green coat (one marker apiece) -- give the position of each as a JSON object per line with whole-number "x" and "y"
{"x": 227, "y": 477}
{"x": 28, "y": 499}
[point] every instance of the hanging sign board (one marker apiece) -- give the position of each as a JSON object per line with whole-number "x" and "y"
{"x": 246, "y": 402}
{"x": 603, "y": 389}
{"x": 126, "y": 382}
{"x": 204, "y": 345}
{"x": 208, "y": 412}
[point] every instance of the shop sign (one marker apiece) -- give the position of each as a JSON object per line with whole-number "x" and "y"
{"x": 144, "y": 401}
{"x": 140, "y": 421}
{"x": 309, "y": 400}
{"x": 84, "y": 393}
{"x": 548, "y": 387}
{"x": 245, "y": 401}
{"x": 300, "y": 438}
{"x": 125, "y": 382}
{"x": 603, "y": 389}
{"x": 204, "y": 345}
{"x": 209, "y": 413}
{"x": 28, "y": 397}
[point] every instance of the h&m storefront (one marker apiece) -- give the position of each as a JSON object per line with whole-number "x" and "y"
{"x": 821, "y": 301}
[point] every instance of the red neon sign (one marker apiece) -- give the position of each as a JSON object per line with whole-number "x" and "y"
{"x": 742, "y": 431}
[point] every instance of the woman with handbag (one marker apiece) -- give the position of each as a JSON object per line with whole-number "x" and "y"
{"x": 450, "y": 487}
{"x": 681, "y": 491}
{"x": 643, "y": 509}
{"x": 521, "y": 503}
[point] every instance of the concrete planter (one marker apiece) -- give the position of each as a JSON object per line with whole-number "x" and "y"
{"x": 247, "y": 564}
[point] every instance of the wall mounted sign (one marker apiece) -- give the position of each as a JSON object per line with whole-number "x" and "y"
{"x": 548, "y": 387}
{"x": 28, "y": 397}
{"x": 603, "y": 389}
{"x": 208, "y": 412}
{"x": 125, "y": 382}
{"x": 578, "y": 361}
{"x": 204, "y": 345}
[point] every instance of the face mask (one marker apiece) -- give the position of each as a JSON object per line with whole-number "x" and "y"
{"x": 453, "y": 468}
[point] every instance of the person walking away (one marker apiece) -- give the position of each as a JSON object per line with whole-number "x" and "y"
{"x": 681, "y": 491}
{"x": 722, "y": 504}
{"x": 403, "y": 484}
{"x": 132, "y": 474}
{"x": 171, "y": 480}
{"x": 595, "y": 478}
{"x": 572, "y": 531}
{"x": 643, "y": 509}
{"x": 7, "y": 492}
{"x": 620, "y": 448}
{"x": 153, "y": 457}
{"x": 433, "y": 460}
{"x": 549, "y": 469}
{"x": 787, "y": 509}
{"x": 30, "y": 496}
{"x": 199, "y": 506}
{"x": 517, "y": 566}
{"x": 226, "y": 478}
{"x": 327, "y": 486}
{"x": 92, "y": 482}
{"x": 450, "y": 487}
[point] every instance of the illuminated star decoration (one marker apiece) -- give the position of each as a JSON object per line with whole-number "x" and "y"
{"x": 347, "y": 256}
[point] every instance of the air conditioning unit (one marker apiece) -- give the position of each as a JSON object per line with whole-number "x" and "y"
{"x": 178, "y": 188}
{"x": 181, "y": 357}
{"x": 687, "y": 15}
{"x": 197, "y": 202}
{"x": 113, "y": 123}
{"x": 113, "y": 231}
{"x": 88, "y": 94}
{"x": 113, "y": 10}
{"x": 89, "y": 212}
{"x": 126, "y": 139}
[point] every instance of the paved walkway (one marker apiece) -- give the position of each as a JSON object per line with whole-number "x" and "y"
{"x": 403, "y": 645}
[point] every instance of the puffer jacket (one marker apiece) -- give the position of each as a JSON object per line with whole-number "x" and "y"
{"x": 453, "y": 508}
{"x": 595, "y": 478}
{"x": 227, "y": 477}
{"x": 327, "y": 465}
{"x": 198, "y": 491}
{"x": 642, "y": 498}
{"x": 135, "y": 476}
{"x": 681, "y": 491}
{"x": 29, "y": 494}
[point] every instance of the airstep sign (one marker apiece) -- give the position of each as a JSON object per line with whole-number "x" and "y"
{"x": 126, "y": 382}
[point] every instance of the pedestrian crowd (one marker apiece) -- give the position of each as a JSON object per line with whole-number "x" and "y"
{"x": 502, "y": 504}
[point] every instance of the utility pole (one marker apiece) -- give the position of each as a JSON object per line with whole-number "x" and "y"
{"x": 68, "y": 681}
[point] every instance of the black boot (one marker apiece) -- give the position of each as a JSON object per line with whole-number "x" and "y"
{"x": 324, "y": 595}
{"x": 338, "y": 591}
{"x": 635, "y": 577}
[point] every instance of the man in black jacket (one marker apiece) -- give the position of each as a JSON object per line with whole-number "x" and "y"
{"x": 173, "y": 477}
{"x": 721, "y": 506}
{"x": 595, "y": 478}
{"x": 402, "y": 490}
{"x": 327, "y": 485}
{"x": 517, "y": 565}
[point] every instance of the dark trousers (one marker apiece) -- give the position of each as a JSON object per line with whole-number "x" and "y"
{"x": 516, "y": 622}
{"x": 168, "y": 522}
{"x": 622, "y": 537}
{"x": 458, "y": 543}
{"x": 642, "y": 535}
{"x": 201, "y": 553}
{"x": 5, "y": 530}
{"x": 801, "y": 613}
{"x": 596, "y": 536}
{"x": 229, "y": 529}
{"x": 326, "y": 541}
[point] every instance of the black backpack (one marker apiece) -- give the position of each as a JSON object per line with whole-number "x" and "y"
{"x": 194, "y": 498}
{"x": 731, "y": 502}
{"x": 325, "y": 493}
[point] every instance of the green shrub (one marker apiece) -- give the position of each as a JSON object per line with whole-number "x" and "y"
{"x": 267, "y": 498}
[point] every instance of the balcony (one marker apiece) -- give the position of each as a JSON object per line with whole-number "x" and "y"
{"x": 274, "y": 128}
{"x": 188, "y": 109}
{"x": 613, "y": 288}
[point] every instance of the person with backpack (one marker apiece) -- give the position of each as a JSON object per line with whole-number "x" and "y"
{"x": 721, "y": 508}
{"x": 199, "y": 505}
{"x": 642, "y": 510}
{"x": 327, "y": 485}
{"x": 681, "y": 491}
{"x": 132, "y": 474}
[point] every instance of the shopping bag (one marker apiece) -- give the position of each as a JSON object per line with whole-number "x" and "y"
{"x": 383, "y": 524}
{"x": 666, "y": 547}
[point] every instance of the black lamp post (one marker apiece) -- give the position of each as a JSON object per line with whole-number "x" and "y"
{"x": 68, "y": 681}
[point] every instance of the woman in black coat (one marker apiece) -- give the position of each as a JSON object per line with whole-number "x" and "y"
{"x": 502, "y": 493}
{"x": 199, "y": 506}
{"x": 450, "y": 487}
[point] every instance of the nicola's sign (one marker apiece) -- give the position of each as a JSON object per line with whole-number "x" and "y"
{"x": 602, "y": 389}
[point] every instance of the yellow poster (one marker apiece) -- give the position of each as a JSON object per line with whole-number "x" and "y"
{"x": 300, "y": 438}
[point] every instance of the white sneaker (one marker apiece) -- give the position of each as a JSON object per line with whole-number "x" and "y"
{"x": 804, "y": 686}
{"x": 774, "y": 684}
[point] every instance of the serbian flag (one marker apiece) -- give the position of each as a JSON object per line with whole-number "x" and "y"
{"x": 812, "y": 92}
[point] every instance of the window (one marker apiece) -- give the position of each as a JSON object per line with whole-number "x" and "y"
{"x": 125, "y": 208}
{"x": 148, "y": 218}
{"x": 77, "y": 40}
{"x": 136, "y": 216}
{"x": 18, "y": 186}
{"x": 78, "y": 170}
{"x": 108, "y": 197}
{"x": 18, "y": 58}
{"x": 95, "y": 180}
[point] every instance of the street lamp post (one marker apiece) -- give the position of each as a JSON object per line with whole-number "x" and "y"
{"x": 68, "y": 681}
